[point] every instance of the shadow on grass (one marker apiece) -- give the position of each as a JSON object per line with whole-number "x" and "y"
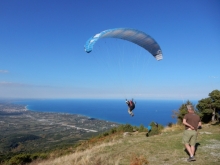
{"x": 196, "y": 147}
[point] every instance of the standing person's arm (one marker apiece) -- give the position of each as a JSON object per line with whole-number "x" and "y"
{"x": 200, "y": 125}
{"x": 187, "y": 124}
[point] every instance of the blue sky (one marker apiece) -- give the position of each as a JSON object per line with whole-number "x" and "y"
{"x": 42, "y": 49}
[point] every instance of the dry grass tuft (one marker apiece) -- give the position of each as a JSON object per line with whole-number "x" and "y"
{"x": 174, "y": 127}
{"x": 137, "y": 149}
{"x": 83, "y": 157}
{"x": 139, "y": 160}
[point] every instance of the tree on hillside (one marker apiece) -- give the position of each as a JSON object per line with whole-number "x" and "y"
{"x": 180, "y": 113}
{"x": 210, "y": 107}
{"x": 142, "y": 128}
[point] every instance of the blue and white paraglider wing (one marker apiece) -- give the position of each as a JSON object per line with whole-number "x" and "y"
{"x": 138, "y": 37}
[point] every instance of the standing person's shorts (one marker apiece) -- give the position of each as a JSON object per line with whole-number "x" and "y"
{"x": 189, "y": 136}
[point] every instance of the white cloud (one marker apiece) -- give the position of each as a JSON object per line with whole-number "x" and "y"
{"x": 4, "y": 71}
{"x": 16, "y": 84}
{"x": 213, "y": 76}
{"x": 23, "y": 90}
{"x": 10, "y": 84}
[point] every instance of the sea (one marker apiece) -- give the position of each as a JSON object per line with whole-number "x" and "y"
{"x": 112, "y": 110}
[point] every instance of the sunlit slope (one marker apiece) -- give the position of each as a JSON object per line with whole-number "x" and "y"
{"x": 136, "y": 148}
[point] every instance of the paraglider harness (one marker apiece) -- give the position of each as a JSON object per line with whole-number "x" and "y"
{"x": 131, "y": 105}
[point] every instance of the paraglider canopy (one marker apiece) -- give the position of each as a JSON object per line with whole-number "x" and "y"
{"x": 138, "y": 37}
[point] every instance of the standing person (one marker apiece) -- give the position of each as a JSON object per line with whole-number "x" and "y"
{"x": 192, "y": 122}
{"x": 131, "y": 106}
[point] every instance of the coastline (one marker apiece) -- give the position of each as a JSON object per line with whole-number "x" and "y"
{"x": 44, "y": 130}
{"x": 71, "y": 126}
{"x": 146, "y": 111}
{"x": 26, "y": 108}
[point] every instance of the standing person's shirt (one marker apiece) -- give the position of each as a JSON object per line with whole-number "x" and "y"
{"x": 192, "y": 119}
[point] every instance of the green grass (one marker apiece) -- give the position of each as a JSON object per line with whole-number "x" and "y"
{"x": 137, "y": 149}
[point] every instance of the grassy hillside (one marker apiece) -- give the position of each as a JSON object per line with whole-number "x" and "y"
{"x": 138, "y": 149}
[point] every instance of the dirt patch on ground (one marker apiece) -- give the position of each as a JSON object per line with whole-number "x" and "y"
{"x": 213, "y": 148}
